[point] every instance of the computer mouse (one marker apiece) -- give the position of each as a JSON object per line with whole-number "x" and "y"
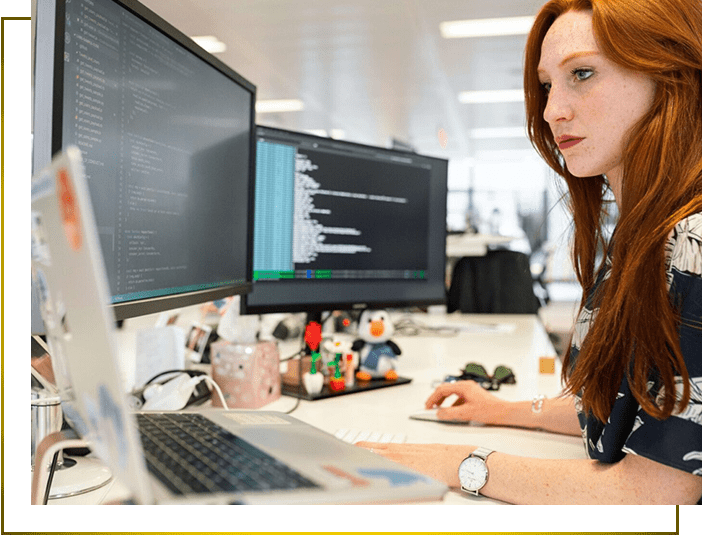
{"x": 430, "y": 415}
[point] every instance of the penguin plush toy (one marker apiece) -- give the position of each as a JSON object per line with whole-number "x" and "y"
{"x": 377, "y": 353}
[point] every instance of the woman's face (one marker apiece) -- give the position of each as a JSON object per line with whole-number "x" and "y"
{"x": 592, "y": 101}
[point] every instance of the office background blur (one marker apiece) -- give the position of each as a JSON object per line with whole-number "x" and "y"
{"x": 385, "y": 72}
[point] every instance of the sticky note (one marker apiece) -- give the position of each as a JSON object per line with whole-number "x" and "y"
{"x": 547, "y": 364}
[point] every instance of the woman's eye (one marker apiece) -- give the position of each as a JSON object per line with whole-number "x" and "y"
{"x": 582, "y": 74}
{"x": 546, "y": 86}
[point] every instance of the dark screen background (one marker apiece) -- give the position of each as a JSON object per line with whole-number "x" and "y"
{"x": 395, "y": 232}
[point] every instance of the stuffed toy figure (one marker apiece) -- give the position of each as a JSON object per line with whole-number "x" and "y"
{"x": 377, "y": 353}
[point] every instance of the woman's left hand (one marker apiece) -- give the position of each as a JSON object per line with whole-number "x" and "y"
{"x": 438, "y": 461}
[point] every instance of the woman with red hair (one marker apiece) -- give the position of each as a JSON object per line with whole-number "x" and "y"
{"x": 614, "y": 104}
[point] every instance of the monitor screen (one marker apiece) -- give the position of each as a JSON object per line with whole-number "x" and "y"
{"x": 340, "y": 225}
{"x": 167, "y": 136}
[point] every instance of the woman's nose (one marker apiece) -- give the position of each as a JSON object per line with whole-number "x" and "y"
{"x": 558, "y": 107}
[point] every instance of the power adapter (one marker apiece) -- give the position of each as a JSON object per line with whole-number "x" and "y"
{"x": 185, "y": 389}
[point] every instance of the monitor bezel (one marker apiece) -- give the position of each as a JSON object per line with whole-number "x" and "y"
{"x": 316, "y": 308}
{"x": 51, "y": 22}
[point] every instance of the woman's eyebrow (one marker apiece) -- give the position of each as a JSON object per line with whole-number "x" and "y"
{"x": 575, "y": 55}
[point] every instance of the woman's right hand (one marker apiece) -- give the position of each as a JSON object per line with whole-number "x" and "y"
{"x": 474, "y": 403}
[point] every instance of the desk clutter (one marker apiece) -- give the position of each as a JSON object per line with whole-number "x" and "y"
{"x": 337, "y": 366}
{"x": 355, "y": 353}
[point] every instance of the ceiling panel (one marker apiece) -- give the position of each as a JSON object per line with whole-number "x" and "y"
{"x": 377, "y": 69}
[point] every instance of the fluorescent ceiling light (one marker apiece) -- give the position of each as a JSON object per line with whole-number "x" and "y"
{"x": 210, "y": 43}
{"x": 486, "y": 27}
{"x": 317, "y": 132}
{"x": 498, "y": 133}
{"x": 283, "y": 105}
{"x": 496, "y": 95}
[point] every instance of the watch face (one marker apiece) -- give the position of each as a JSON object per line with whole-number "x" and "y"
{"x": 472, "y": 473}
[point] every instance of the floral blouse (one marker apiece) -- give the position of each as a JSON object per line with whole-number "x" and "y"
{"x": 677, "y": 440}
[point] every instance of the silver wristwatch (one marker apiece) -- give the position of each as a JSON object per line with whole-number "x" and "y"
{"x": 473, "y": 471}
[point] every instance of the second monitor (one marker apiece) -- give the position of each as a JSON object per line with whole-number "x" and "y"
{"x": 341, "y": 225}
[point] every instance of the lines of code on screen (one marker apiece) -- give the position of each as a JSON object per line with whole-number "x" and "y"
{"x": 324, "y": 213}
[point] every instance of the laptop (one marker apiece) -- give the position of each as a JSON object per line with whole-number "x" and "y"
{"x": 156, "y": 455}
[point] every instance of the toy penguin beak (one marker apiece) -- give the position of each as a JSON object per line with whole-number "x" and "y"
{"x": 377, "y": 328}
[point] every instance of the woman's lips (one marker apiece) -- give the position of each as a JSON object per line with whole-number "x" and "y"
{"x": 566, "y": 142}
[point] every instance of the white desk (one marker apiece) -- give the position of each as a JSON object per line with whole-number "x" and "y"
{"x": 426, "y": 359}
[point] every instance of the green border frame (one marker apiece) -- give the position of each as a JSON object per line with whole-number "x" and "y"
{"x": 18, "y": 516}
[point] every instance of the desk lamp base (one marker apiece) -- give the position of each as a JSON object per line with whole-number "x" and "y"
{"x": 85, "y": 475}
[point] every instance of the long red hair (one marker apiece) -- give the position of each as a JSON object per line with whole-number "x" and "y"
{"x": 636, "y": 330}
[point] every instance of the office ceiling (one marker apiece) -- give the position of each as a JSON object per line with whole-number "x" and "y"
{"x": 376, "y": 69}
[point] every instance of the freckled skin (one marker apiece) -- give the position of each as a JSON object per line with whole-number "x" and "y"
{"x": 590, "y": 97}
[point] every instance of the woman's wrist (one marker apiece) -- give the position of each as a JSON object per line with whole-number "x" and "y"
{"x": 504, "y": 413}
{"x": 528, "y": 414}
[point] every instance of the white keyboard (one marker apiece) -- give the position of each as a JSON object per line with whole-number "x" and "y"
{"x": 357, "y": 435}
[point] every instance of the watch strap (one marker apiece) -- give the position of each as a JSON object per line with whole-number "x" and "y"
{"x": 480, "y": 453}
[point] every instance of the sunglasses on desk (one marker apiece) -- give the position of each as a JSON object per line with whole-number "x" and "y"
{"x": 477, "y": 372}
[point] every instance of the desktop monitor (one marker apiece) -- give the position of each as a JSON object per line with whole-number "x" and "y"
{"x": 166, "y": 132}
{"x": 340, "y": 225}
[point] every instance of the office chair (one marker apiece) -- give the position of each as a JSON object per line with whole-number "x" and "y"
{"x": 497, "y": 283}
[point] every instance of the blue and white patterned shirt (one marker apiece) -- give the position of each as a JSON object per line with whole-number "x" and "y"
{"x": 677, "y": 440}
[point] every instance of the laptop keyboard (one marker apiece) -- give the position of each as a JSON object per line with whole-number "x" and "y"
{"x": 189, "y": 453}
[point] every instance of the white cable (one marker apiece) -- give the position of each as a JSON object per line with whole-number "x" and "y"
{"x": 212, "y": 382}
